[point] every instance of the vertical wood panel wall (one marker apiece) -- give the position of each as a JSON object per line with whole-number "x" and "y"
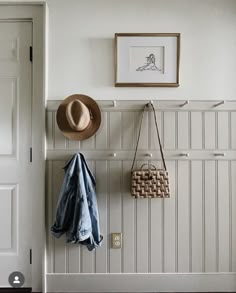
{"x": 194, "y": 230}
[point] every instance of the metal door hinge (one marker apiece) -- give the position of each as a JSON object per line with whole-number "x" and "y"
{"x": 31, "y": 53}
{"x": 31, "y": 256}
{"x": 31, "y": 155}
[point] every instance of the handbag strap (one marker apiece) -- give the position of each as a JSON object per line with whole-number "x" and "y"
{"x": 158, "y": 136}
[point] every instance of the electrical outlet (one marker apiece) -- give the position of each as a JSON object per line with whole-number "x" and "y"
{"x": 116, "y": 240}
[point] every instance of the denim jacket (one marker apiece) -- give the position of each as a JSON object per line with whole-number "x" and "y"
{"x": 77, "y": 212}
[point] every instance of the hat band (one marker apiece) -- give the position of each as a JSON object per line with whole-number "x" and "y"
{"x": 79, "y": 129}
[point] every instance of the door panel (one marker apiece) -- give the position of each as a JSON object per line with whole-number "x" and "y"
{"x": 15, "y": 142}
{"x": 9, "y": 49}
{"x": 8, "y": 197}
{"x": 7, "y": 114}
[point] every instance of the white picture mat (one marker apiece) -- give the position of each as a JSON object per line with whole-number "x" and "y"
{"x": 125, "y": 67}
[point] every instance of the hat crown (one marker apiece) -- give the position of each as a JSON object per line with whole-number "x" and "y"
{"x": 78, "y": 115}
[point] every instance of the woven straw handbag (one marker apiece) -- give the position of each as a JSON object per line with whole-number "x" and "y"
{"x": 149, "y": 182}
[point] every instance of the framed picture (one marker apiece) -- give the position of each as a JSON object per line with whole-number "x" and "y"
{"x": 150, "y": 59}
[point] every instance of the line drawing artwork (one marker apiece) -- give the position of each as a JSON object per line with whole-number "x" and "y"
{"x": 150, "y": 64}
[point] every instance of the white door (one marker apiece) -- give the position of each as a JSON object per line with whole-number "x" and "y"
{"x": 15, "y": 143}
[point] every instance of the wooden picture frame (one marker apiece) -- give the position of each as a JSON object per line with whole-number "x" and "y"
{"x": 147, "y": 59}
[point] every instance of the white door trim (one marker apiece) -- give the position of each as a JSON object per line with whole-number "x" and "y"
{"x": 37, "y": 14}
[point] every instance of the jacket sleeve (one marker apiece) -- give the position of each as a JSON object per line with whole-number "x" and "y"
{"x": 65, "y": 206}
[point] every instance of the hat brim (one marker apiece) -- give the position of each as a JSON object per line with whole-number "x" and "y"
{"x": 64, "y": 125}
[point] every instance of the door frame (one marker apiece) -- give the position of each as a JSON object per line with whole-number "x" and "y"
{"x": 36, "y": 12}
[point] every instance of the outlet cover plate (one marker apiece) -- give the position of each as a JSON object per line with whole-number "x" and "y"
{"x": 116, "y": 240}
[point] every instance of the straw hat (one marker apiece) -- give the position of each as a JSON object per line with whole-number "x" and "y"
{"x": 78, "y": 117}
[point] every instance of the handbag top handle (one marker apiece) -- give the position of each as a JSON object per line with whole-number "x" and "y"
{"x": 159, "y": 140}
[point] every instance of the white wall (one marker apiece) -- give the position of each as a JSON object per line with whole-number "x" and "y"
{"x": 81, "y": 45}
{"x": 186, "y": 243}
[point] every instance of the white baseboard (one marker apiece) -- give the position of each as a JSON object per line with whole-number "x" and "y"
{"x": 207, "y": 282}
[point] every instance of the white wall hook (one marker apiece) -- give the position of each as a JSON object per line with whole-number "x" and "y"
{"x": 218, "y": 104}
{"x": 184, "y": 104}
{"x": 113, "y": 155}
{"x": 219, "y": 154}
{"x": 184, "y": 154}
{"x": 149, "y": 155}
{"x": 114, "y": 103}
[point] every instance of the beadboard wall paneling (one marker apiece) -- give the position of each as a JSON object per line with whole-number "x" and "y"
{"x": 192, "y": 232}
